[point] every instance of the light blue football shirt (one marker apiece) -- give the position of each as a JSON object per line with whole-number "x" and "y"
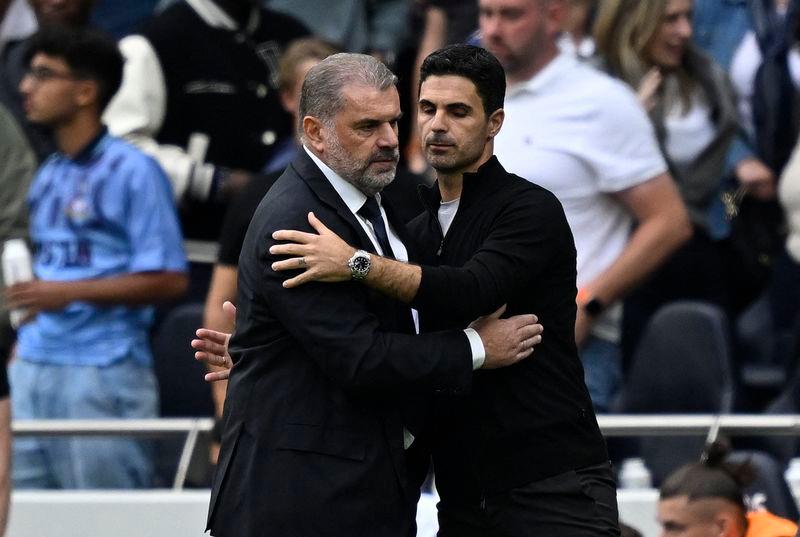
{"x": 107, "y": 212}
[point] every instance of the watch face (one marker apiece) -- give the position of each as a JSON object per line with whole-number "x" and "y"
{"x": 360, "y": 264}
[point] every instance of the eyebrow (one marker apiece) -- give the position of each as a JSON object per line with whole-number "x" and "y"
{"x": 449, "y": 106}
{"x": 369, "y": 122}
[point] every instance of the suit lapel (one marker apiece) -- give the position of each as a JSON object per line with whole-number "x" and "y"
{"x": 308, "y": 171}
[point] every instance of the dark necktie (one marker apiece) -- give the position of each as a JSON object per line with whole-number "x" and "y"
{"x": 372, "y": 212}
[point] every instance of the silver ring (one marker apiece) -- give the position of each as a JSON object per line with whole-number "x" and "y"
{"x": 302, "y": 262}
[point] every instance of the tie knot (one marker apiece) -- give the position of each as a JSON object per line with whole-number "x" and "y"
{"x": 370, "y": 210}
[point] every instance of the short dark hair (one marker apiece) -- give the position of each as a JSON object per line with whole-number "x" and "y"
{"x": 714, "y": 477}
{"x": 471, "y": 62}
{"x": 90, "y": 54}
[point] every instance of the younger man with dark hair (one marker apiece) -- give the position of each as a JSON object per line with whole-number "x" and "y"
{"x": 106, "y": 246}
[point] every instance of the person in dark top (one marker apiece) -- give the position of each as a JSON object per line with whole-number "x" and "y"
{"x": 522, "y": 453}
{"x": 200, "y": 94}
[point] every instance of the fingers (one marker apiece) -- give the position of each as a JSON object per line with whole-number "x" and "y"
{"x": 529, "y": 331}
{"x": 524, "y": 354}
{"x": 298, "y": 280}
{"x": 531, "y": 342}
{"x": 499, "y": 312}
{"x": 294, "y": 263}
{"x": 519, "y": 321}
{"x": 230, "y": 310}
{"x": 293, "y": 235}
{"x": 211, "y": 359}
{"x": 216, "y": 376}
{"x": 205, "y": 334}
{"x": 292, "y": 248}
{"x": 317, "y": 224}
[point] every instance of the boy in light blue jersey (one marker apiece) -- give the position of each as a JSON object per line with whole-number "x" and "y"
{"x": 107, "y": 245}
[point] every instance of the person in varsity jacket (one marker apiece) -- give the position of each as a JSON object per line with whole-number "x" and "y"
{"x": 200, "y": 94}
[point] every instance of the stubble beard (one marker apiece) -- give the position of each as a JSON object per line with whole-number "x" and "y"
{"x": 357, "y": 172}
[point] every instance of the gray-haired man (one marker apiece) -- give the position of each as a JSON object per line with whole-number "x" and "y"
{"x": 318, "y": 427}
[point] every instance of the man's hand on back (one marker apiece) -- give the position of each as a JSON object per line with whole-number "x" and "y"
{"x": 507, "y": 341}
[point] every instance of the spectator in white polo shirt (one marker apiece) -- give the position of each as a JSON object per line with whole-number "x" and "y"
{"x": 585, "y": 137}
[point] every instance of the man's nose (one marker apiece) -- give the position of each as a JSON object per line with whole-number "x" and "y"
{"x": 685, "y": 28}
{"x": 388, "y": 136}
{"x": 489, "y": 26}
{"x": 26, "y": 84}
{"x": 439, "y": 122}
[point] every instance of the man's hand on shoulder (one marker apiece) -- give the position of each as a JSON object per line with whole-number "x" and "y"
{"x": 322, "y": 256}
{"x": 507, "y": 341}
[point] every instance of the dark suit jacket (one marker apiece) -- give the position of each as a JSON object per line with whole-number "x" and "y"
{"x": 312, "y": 440}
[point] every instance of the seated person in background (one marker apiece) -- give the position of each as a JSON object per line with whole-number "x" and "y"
{"x": 107, "y": 245}
{"x": 706, "y": 499}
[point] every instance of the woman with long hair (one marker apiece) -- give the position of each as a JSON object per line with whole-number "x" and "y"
{"x": 647, "y": 44}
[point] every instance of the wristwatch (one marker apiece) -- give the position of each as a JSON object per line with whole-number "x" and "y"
{"x": 359, "y": 265}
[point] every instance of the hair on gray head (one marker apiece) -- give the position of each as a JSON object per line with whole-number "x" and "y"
{"x": 321, "y": 96}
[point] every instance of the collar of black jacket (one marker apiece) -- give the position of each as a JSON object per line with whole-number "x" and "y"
{"x": 476, "y": 185}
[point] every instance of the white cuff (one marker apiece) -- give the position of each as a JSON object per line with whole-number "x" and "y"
{"x": 477, "y": 348}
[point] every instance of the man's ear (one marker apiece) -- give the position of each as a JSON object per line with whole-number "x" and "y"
{"x": 725, "y": 525}
{"x": 496, "y": 122}
{"x": 312, "y": 131}
{"x": 87, "y": 93}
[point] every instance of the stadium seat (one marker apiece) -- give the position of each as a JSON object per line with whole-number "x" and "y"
{"x": 681, "y": 366}
{"x": 769, "y": 488}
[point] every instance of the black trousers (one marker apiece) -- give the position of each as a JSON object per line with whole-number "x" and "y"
{"x": 578, "y": 503}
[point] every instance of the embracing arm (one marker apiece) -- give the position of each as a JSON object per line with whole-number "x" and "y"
{"x": 324, "y": 256}
{"x": 515, "y": 250}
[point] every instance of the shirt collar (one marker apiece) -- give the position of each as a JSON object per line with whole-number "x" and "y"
{"x": 540, "y": 80}
{"x": 215, "y": 16}
{"x": 89, "y": 149}
{"x": 351, "y": 195}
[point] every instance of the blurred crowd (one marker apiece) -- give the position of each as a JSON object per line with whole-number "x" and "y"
{"x": 667, "y": 129}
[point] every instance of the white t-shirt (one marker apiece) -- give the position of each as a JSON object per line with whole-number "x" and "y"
{"x": 447, "y": 211}
{"x": 690, "y": 131}
{"x": 582, "y": 135}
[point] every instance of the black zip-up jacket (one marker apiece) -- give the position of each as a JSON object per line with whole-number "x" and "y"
{"x": 509, "y": 243}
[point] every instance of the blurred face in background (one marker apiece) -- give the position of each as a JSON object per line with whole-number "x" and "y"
{"x": 520, "y": 33}
{"x": 668, "y": 45}
{"x": 290, "y": 96}
{"x": 66, "y": 12}
{"x": 51, "y": 93}
{"x": 707, "y": 517}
